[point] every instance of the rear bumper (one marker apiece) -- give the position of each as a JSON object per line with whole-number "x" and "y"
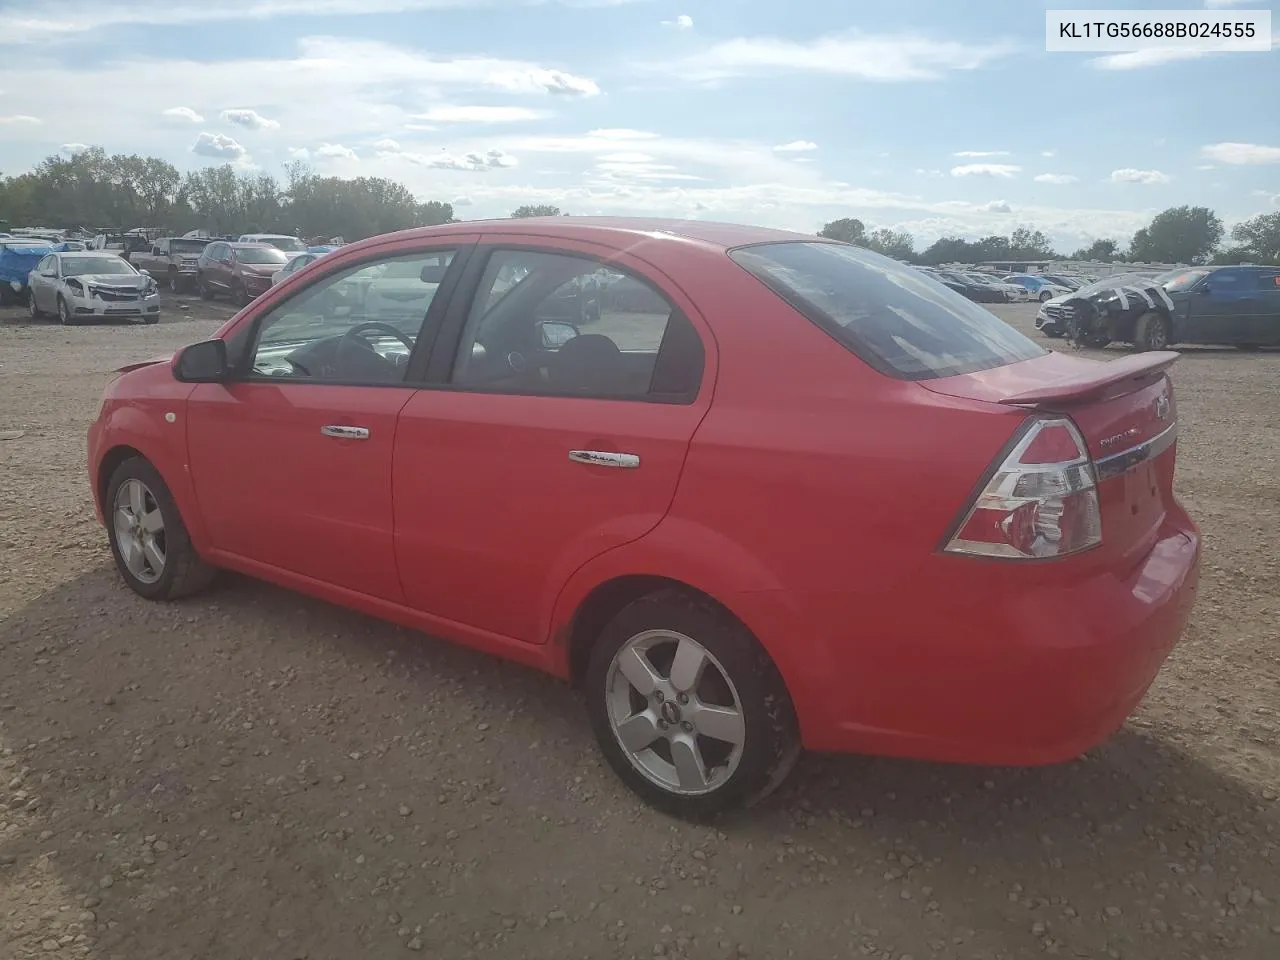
{"x": 973, "y": 663}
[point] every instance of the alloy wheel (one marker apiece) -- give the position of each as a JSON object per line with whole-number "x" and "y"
{"x": 139, "y": 529}
{"x": 675, "y": 712}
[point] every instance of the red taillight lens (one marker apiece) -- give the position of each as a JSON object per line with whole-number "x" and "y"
{"x": 1041, "y": 501}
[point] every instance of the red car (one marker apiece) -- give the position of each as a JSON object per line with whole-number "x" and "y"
{"x": 751, "y": 490}
{"x": 242, "y": 271}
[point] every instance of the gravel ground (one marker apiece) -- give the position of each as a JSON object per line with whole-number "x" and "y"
{"x": 251, "y": 774}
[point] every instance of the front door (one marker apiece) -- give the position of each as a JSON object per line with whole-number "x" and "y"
{"x": 293, "y": 458}
{"x": 558, "y": 430}
{"x": 1220, "y": 307}
{"x": 42, "y": 285}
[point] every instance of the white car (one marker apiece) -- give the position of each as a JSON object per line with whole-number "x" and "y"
{"x": 91, "y": 285}
{"x": 295, "y": 264}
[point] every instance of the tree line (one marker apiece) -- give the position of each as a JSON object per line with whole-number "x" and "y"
{"x": 1178, "y": 235}
{"x": 94, "y": 190}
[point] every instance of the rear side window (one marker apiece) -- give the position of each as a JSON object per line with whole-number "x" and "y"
{"x": 901, "y": 322}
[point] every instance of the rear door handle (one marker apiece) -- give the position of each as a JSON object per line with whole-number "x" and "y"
{"x": 343, "y": 432}
{"x": 605, "y": 458}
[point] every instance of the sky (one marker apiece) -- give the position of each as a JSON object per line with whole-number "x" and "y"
{"x": 934, "y": 116}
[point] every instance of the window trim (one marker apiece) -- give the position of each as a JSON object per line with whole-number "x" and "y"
{"x": 449, "y": 334}
{"x": 242, "y": 350}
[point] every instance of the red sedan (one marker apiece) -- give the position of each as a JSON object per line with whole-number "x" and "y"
{"x": 751, "y": 490}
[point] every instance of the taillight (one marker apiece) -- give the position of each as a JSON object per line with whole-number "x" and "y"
{"x": 1041, "y": 501}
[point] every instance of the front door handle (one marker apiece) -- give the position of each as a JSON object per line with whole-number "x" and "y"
{"x": 605, "y": 458}
{"x": 342, "y": 432}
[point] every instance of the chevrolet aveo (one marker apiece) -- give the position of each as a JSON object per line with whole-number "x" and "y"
{"x": 752, "y": 491}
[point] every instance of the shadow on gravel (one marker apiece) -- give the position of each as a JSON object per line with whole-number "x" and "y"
{"x": 255, "y": 774}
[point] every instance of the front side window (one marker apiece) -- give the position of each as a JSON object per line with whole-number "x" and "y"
{"x": 287, "y": 244}
{"x": 1183, "y": 280}
{"x": 48, "y": 266}
{"x": 261, "y": 255}
{"x": 337, "y": 330}
{"x": 561, "y": 325}
{"x": 899, "y": 322}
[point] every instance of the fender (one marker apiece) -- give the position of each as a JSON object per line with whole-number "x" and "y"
{"x": 706, "y": 560}
{"x": 162, "y": 443}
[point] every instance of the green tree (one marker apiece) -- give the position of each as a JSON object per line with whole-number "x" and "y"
{"x": 1100, "y": 251}
{"x": 848, "y": 230}
{"x": 1025, "y": 243}
{"x": 897, "y": 244}
{"x": 1178, "y": 235}
{"x": 1260, "y": 237}
{"x": 537, "y": 210}
{"x": 949, "y": 250}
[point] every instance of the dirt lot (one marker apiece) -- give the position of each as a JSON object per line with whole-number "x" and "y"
{"x": 254, "y": 775}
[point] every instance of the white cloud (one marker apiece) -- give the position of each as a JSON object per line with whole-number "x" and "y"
{"x": 1048, "y": 153}
{"x": 71, "y": 149}
{"x": 796, "y": 146}
{"x": 335, "y": 151}
{"x": 1240, "y": 153}
{"x": 981, "y": 153}
{"x": 386, "y": 146}
{"x": 475, "y": 162}
{"x": 458, "y": 114}
{"x": 622, "y": 133}
{"x": 219, "y": 146}
{"x": 463, "y": 201}
{"x": 1206, "y": 166}
{"x": 997, "y": 206}
{"x": 1130, "y": 175}
{"x": 881, "y": 57}
{"x": 537, "y": 80}
{"x": 1055, "y": 178}
{"x": 22, "y": 118}
{"x": 182, "y": 113}
{"x": 627, "y": 158}
{"x": 682, "y": 22}
{"x": 299, "y": 153}
{"x": 986, "y": 170}
{"x": 931, "y": 174}
{"x": 248, "y": 119}
{"x": 87, "y": 16}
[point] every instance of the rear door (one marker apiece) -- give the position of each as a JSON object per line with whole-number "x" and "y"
{"x": 564, "y": 392}
{"x": 1264, "y": 320}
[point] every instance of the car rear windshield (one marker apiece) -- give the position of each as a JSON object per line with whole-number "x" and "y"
{"x": 900, "y": 321}
{"x": 263, "y": 254}
{"x": 188, "y": 246}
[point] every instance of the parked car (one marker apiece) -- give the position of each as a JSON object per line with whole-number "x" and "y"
{"x": 241, "y": 271}
{"x": 672, "y": 510}
{"x": 979, "y": 291}
{"x": 1011, "y": 292}
{"x": 1040, "y": 288}
{"x": 1236, "y": 306}
{"x": 18, "y": 257}
{"x": 289, "y": 246}
{"x": 91, "y": 285}
{"x": 1070, "y": 283}
{"x": 175, "y": 260}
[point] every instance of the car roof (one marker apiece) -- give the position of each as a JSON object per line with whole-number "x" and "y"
{"x": 238, "y": 245}
{"x": 619, "y": 231}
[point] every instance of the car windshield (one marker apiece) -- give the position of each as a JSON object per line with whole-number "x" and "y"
{"x": 262, "y": 254}
{"x": 187, "y": 246}
{"x": 1120, "y": 280}
{"x": 1178, "y": 280}
{"x": 287, "y": 244}
{"x": 80, "y": 266}
{"x": 899, "y": 322}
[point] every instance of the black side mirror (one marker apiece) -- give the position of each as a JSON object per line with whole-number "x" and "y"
{"x": 1204, "y": 291}
{"x": 204, "y": 362}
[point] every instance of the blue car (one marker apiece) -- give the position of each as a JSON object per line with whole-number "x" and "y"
{"x": 18, "y": 257}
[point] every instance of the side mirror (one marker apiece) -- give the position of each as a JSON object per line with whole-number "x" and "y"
{"x": 1205, "y": 290}
{"x": 556, "y": 333}
{"x": 204, "y": 362}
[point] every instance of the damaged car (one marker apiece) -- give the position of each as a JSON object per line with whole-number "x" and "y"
{"x": 82, "y": 287}
{"x": 1235, "y": 306}
{"x": 18, "y": 255}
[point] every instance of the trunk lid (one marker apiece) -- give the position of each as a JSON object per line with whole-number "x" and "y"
{"x": 1126, "y": 413}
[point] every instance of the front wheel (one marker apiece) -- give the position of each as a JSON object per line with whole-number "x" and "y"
{"x": 149, "y": 541}
{"x": 35, "y": 311}
{"x": 175, "y": 280}
{"x": 64, "y": 312}
{"x": 1151, "y": 332}
{"x": 688, "y": 708}
{"x": 206, "y": 291}
{"x": 239, "y": 294}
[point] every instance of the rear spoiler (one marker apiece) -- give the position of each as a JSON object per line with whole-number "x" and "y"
{"x": 1089, "y": 383}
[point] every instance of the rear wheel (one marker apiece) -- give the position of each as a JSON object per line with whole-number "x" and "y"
{"x": 688, "y": 708}
{"x": 149, "y": 541}
{"x": 1045, "y": 295}
{"x": 1151, "y": 332}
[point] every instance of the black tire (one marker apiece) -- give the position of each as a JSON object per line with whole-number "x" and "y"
{"x": 239, "y": 294}
{"x": 1247, "y": 347}
{"x": 64, "y": 312}
{"x": 1052, "y": 330}
{"x": 771, "y": 744}
{"x": 1151, "y": 331}
{"x": 1097, "y": 340}
{"x": 35, "y": 312}
{"x": 175, "y": 280}
{"x": 206, "y": 291}
{"x": 1045, "y": 296}
{"x": 184, "y": 573}
{"x": 151, "y": 318}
